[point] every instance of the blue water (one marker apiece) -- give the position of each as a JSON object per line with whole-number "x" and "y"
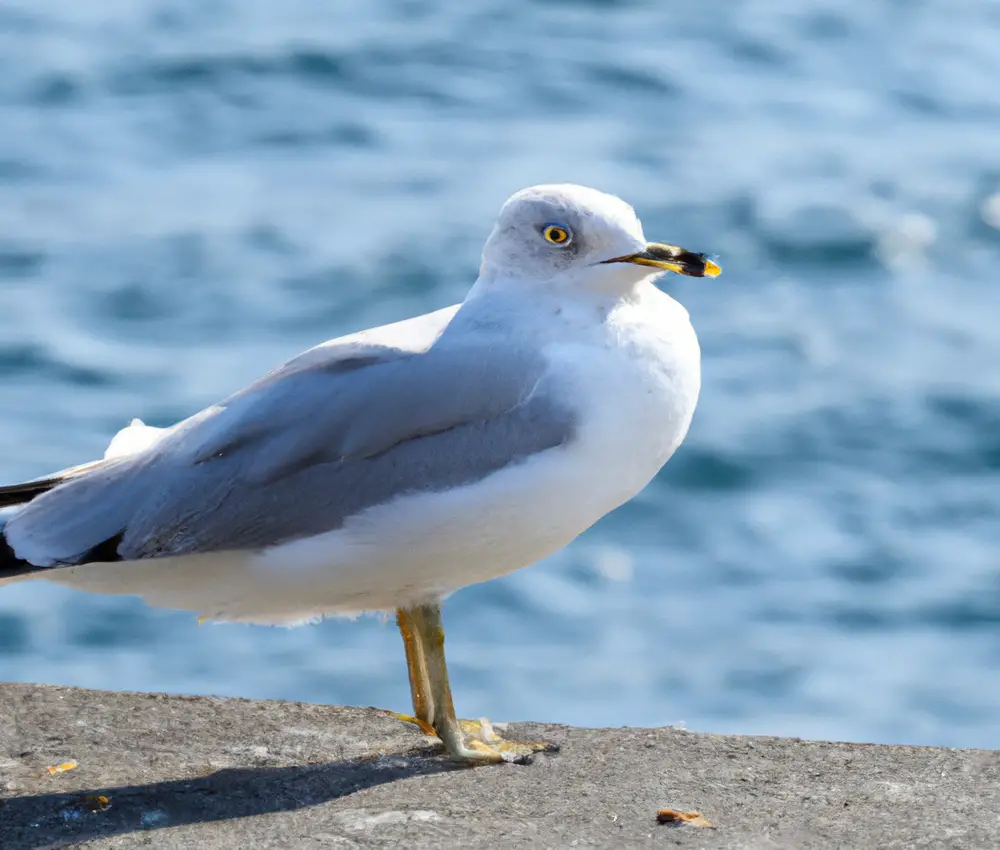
{"x": 190, "y": 193}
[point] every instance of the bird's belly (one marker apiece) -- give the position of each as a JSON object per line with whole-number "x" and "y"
{"x": 428, "y": 544}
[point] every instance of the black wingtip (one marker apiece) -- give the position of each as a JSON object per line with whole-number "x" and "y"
{"x": 19, "y": 494}
{"x": 10, "y": 564}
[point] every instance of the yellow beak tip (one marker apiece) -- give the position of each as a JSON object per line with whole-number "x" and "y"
{"x": 712, "y": 269}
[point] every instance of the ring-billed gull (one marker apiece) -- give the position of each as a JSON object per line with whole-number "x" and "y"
{"x": 383, "y": 470}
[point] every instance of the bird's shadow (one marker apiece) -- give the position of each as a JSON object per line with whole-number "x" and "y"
{"x": 61, "y": 820}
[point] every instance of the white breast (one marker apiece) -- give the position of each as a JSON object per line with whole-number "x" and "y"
{"x": 637, "y": 387}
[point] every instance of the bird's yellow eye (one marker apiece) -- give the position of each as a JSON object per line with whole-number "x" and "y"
{"x": 556, "y": 234}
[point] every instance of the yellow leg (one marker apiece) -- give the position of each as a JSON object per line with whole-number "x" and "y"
{"x": 423, "y": 638}
{"x": 430, "y": 634}
{"x": 416, "y": 667}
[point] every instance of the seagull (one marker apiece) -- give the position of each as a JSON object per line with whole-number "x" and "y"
{"x": 383, "y": 470}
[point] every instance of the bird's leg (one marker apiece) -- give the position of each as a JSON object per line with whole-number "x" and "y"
{"x": 483, "y": 746}
{"x": 430, "y": 634}
{"x": 416, "y": 666}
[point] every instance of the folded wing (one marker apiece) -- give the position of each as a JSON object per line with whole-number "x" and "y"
{"x": 338, "y": 430}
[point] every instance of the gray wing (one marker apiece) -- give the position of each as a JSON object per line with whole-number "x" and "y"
{"x": 328, "y": 435}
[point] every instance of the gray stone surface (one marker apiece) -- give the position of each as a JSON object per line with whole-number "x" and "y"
{"x": 200, "y": 772}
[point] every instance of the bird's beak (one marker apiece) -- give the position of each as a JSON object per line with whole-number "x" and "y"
{"x": 672, "y": 259}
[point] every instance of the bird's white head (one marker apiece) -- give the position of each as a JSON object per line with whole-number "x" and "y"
{"x": 580, "y": 237}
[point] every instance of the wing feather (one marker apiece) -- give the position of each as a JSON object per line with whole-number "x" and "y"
{"x": 342, "y": 428}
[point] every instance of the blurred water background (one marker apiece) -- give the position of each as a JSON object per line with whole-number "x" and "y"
{"x": 192, "y": 192}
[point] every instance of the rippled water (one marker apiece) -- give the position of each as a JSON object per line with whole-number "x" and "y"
{"x": 190, "y": 193}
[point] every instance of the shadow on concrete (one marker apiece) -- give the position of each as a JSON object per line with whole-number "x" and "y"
{"x": 62, "y": 820}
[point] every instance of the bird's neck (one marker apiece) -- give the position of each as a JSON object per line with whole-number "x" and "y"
{"x": 522, "y": 308}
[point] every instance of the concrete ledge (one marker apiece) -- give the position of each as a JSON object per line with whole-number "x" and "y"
{"x": 184, "y": 772}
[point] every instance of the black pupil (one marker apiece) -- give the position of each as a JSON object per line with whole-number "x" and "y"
{"x": 557, "y": 234}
